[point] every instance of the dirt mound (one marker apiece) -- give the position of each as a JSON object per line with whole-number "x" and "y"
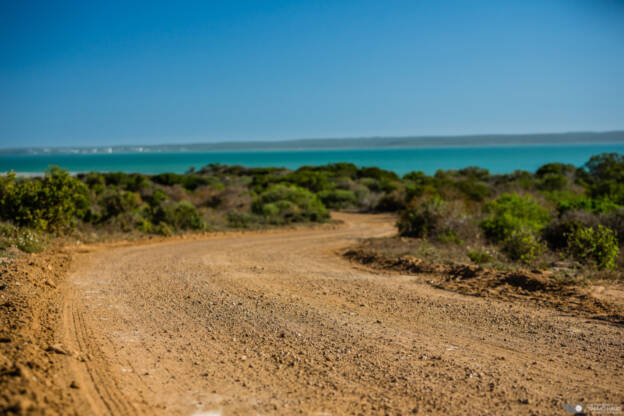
{"x": 531, "y": 282}
{"x": 29, "y": 311}
{"x": 534, "y": 286}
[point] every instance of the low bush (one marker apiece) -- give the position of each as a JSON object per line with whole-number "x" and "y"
{"x": 523, "y": 245}
{"x": 363, "y": 196}
{"x": 184, "y": 216}
{"x": 50, "y": 203}
{"x": 338, "y": 198}
{"x": 474, "y": 190}
{"x": 25, "y": 239}
{"x": 125, "y": 221}
{"x": 116, "y": 202}
{"x": 553, "y": 182}
{"x": 586, "y": 204}
{"x": 556, "y": 168}
{"x": 391, "y": 202}
{"x": 606, "y": 177}
{"x": 479, "y": 257}
{"x": 615, "y": 221}
{"x": 449, "y": 236}
{"x": 163, "y": 229}
{"x": 29, "y": 241}
{"x": 415, "y": 191}
{"x": 423, "y": 219}
{"x": 377, "y": 173}
{"x": 513, "y": 212}
{"x": 555, "y": 233}
{"x": 144, "y": 226}
{"x": 242, "y": 219}
{"x": 443, "y": 221}
{"x": 594, "y": 245}
{"x": 474, "y": 172}
{"x": 289, "y": 203}
{"x": 313, "y": 181}
{"x": 119, "y": 179}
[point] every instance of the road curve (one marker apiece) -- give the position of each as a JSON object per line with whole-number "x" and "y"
{"x": 279, "y": 323}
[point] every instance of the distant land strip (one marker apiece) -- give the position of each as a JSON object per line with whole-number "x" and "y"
{"x": 343, "y": 143}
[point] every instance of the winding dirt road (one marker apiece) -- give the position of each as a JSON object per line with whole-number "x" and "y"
{"x": 280, "y": 323}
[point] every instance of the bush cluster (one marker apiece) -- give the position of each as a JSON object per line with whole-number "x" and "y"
{"x": 51, "y": 203}
{"x": 593, "y": 245}
{"x": 282, "y": 204}
{"x": 560, "y": 210}
{"x": 513, "y": 213}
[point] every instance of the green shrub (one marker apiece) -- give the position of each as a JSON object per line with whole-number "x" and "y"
{"x": 474, "y": 190}
{"x": 522, "y": 245}
{"x": 270, "y": 210}
{"x": 447, "y": 222}
{"x": 606, "y": 177}
{"x": 553, "y": 182}
{"x": 163, "y": 229}
{"x": 116, "y": 202}
{"x": 377, "y": 173}
{"x": 5, "y": 235}
{"x": 184, "y": 216}
{"x": 586, "y": 204}
{"x": 168, "y": 179}
{"x": 384, "y": 184}
{"x": 418, "y": 177}
{"x": 116, "y": 178}
{"x": 594, "y": 245}
{"x": 156, "y": 198}
{"x": 362, "y": 195}
{"x": 413, "y": 191}
{"x": 50, "y": 203}
{"x": 391, "y": 202}
{"x": 338, "y": 198}
{"x": 474, "y": 172}
{"x": 512, "y": 212}
{"x": 606, "y": 166}
{"x": 448, "y": 237}
{"x": 93, "y": 179}
{"x": 145, "y": 226}
{"x": 294, "y": 204}
{"x": 615, "y": 221}
{"x": 555, "y": 233}
{"x": 126, "y": 221}
{"x": 29, "y": 241}
{"x": 422, "y": 219}
{"x": 479, "y": 257}
{"x": 25, "y": 239}
{"x": 311, "y": 180}
{"x": 555, "y": 169}
{"x": 242, "y": 219}
{"x": 137, "y": 183}
{"x": 335, "y": 170}
{"x": 518, "y": 179}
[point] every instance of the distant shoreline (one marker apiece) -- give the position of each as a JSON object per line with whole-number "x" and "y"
{"x": 411, "y": 142}
{"x": 497, "y": 159}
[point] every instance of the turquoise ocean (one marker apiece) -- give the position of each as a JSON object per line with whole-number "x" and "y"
{"x": 498, "y": 159}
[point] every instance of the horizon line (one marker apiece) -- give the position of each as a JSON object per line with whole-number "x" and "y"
{"x": 251, "y": 142}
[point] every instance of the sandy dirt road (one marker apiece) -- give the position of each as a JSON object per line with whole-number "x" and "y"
{"x": 280, "y": 323}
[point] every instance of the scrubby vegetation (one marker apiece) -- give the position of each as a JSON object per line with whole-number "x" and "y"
{"x": 560, "y": 213}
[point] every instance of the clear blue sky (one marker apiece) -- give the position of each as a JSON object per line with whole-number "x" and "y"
{"x": 99, "y": 73}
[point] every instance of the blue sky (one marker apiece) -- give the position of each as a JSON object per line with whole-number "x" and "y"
{"x": 100, "y": 73}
